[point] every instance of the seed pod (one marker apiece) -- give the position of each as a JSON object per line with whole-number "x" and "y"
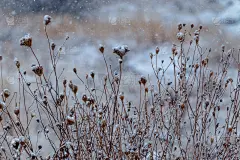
{"x": 16, "y": 110}
{"x": 75, "y": 70}
{"x": 101, "y": 48}
{"x": 53, "y": 46}
{"x": 157, "y": 50}
{"x": 84, "y": 98}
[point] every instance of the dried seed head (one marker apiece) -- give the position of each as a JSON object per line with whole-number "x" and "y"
{"x": 92, "y": 74}
{"x": 230, "y": 128}
{"x": 75, "y": 70}
{"x": 70, "y": 120}
{"x": 179, "y": 26}
{"x": 1, "y": 57}
{"x": 6, "y": 93}
{"x": 151, "y": 55}
{"x": 15, "y": 143}
{"x": 182, "y": 106}
{"x": 196, "y": 38}
{"x": 212, "y": 140}
{"x": 120, "y": 60}
{"x": 2, "y": 105}
{"x": 121, "y": 50}
{"x": 180, "y": 36}
{"x": 192, "y": 25}
{"x": 84, "y": 98}
{"x": 64, "y": 82}
{"x": 143, "y": 80}
{"x": 101, "y": 48}
{"x": 26, "y": 41}
{"x": 17, "y": 110}
{"x": 73, "y": 87}
{"x": 146, "y": 90}
{"x": 38, "y": 70}
{"x": 121, "y": 96}
{"x": 200, "y": 27}
{"x": 17, "y": 63}
{"x": 53, "y": 45}
{"x": 47, "y": 19}
{"x": 157, "y": 50}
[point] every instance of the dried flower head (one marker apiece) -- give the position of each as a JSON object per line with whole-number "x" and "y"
{"x": 47, "y": 19}
{"x": 121, "y": 50}
{"x": 26, "y": 41}
{"x": 38, "y": 70}
{"x": 73, "y": 87}
{"x": 6, "y": 93}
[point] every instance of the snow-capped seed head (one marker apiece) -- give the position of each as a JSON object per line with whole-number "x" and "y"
{"x": 26, "y": 41}
{"x": 17, "y": 110}
{"x": 2, "y": 105}
{"x": 92, "y": 73}
{"x": 121, "y": 96}
{"x": 230, "y": 128}
{"x": 121, "y": 50}
{"x": 15, "y": 143}
{"x": 70, "y": 120}
{"x": 196, "y": 32}
{"x": 101, "y": 48}
{"x": 180, "y": 36}
{"x": 38, "y": 70}
{"x": 17, "y": 63}
{"x": 84, "y": 98}
{"x": 47, "y": 19}
{"x": 6, "y": 93}
{"x": 151, "y": 55}
{"x": 120, "y": 60}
